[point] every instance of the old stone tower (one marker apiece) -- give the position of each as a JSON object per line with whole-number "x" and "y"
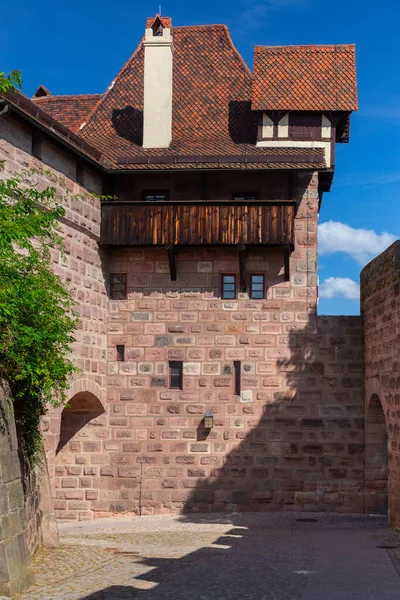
{"x": 207, "y": 379}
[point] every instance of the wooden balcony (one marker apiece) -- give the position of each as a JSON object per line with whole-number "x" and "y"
{"x": 202, "y": 222}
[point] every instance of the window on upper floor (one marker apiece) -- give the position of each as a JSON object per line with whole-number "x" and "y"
{"x": 155, "y": 195}
{"x": 117, "y": 286}
{"x": 228, "y": 286}
{"x": 245, "y": 196}
{"x": 305, "y": 125}
{"x": 257, "y": 283}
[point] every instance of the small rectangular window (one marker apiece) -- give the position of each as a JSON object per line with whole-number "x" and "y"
{"x": 175, "y": 374}
{"x": 228, "y": 286}
{"x": 245, "y": 196}
{"x": 118, "y": 286}
{"x": 155, "y": 195}
{"x": 257, "y": 286}
{"x": 120, "y": 353}
{"x": 37, "y": 144}
{"x": 236, "y": 368}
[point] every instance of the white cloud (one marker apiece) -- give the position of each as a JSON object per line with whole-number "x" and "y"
{"x": 344, "y": 287}
{"x": 361, "y": 244}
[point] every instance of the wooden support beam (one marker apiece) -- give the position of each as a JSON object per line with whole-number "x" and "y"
{"x": 172, "y": 261}
{"x": 286, "y": 261}
{"x": 242, "y": 267}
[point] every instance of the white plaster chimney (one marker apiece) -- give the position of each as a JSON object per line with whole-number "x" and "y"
{"x": 157, "y": 106}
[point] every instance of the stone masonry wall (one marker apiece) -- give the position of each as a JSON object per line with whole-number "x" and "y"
{"x": 16, "y": 572}
{"x": 81, "y": 266}
{"x": 292, "y": 440}
{"x": 380, "y": 308}
{"x": 129, "y": 444}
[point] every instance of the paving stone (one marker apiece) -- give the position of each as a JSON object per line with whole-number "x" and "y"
{"x": 254, "y": 556}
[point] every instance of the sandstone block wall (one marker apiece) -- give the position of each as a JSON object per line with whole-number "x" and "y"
{"x": 16, "y": 572}
{"x": 81, "y": 265}
{"x": 292, "y": 439}
{"x": 380, "y": 308}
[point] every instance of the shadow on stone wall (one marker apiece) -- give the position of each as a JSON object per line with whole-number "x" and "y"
{"x": 306, "y": 451}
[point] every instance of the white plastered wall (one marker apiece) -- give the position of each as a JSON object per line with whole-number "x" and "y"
{"x": 283, "y": 132}
{"x": 157, "y": 106}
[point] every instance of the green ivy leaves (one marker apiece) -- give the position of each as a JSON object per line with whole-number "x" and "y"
{"x": 37, "y": 317}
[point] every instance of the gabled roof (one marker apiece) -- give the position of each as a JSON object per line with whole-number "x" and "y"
{"x": 211, "y": 101}
{"x": 304, "y": 78}
{"x": 29, "y": 109}
{"x": 41, "y": 91}
{"x": 71, "y": 111}
{"x": 164, "y": 21}
{"x": 211, "y": 111}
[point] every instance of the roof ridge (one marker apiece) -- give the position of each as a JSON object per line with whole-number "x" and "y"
{"x": 295, "y": 46}
{"x": 65, "y": 96}
{"x": 200, "y": 26}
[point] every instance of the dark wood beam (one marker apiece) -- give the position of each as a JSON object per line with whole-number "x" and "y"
{"x": 242, "y": 267}
{"x": 172, "y": 261}
{"x": 286, "y": 261}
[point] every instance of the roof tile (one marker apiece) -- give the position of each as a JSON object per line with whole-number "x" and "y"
{"x": 71, "y": 111}
{"x": 304, "y": 78}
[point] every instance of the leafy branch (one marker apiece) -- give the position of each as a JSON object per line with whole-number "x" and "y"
{"x": 9, "y": 81}
{"x": 37, "y": 317}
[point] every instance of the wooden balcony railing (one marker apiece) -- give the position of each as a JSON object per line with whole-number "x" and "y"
{"x": 197, "y": 223}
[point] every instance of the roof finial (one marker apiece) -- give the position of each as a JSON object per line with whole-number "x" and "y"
{"x": 159, "y": 9}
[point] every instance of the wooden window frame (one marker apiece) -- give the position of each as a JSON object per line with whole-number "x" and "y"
{"x": 251, "y": 285}
{"x": 155, "y": 192}
{"x": 244, "y": 194}
{"x": 234, "y": 275}
{"x": 112, "y": 296}
{"x": 275, "y": 117}
{"x": 179, "y": 365}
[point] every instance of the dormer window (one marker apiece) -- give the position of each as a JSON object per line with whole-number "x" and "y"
{"x": 305, "y": 125}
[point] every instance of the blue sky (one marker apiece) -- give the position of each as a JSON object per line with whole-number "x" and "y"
{"x": 78, "y": 47}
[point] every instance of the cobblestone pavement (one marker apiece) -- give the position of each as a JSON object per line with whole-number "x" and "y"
{"x": 222, "y": 557}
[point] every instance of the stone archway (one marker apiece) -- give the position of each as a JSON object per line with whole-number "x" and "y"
{"x": 376, "y": 458}
{"x": 78, "y": 456}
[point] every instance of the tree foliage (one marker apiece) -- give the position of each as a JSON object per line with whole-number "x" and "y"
{"x": 9, "y": 81}
{"x": 37, "y": 320}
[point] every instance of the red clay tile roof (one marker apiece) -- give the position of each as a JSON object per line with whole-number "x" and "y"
{"x": 71, "y": 111}
{"x": 211, "y": 109}
{"x": 211, "y": 101}
{"x": 304, "y": 78}
{"x": 165, "y": 21}
{"x": 29, "y": 108}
